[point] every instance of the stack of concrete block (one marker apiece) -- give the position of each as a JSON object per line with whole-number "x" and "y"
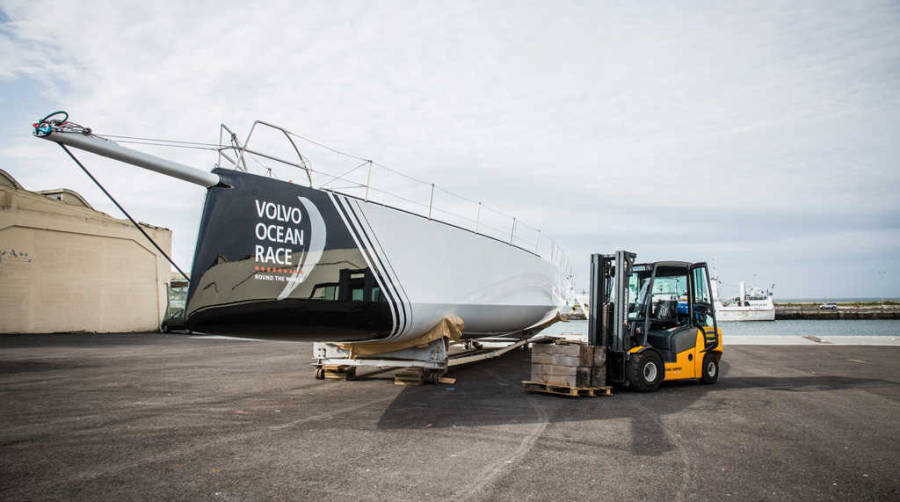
{"x": 568, "y": 364}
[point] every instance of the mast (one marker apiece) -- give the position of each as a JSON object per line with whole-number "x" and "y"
{"x": 714, "y": 281}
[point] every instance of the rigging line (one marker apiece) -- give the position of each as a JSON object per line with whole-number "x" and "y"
{"x": 451, "y": 213}
{"x": 252, "y": 156}
{"x": 136, "y": 225}
{"x": 258, "y": 162}
{"x": 335, "y": 150}
{"x": 495, "y": 211}
{"x": 526, "y": 225}
{"x": 399, "y": 197}
{"x": 480, "y": 225}
{"x": 458, "y": 196}
{"x": 400, "y": 173}
{"x": 209, "y": 148}
{"x": 157, "y": 139}
{"x": 395, "y": 171}
{"x": 216, "y": 147}
{"x": 345, "y": 154}
{"x": 441, "y": 189}
{"x": 345, "y": 174}
{"x": 269, "y": 169}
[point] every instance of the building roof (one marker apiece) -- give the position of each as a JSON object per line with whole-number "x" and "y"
{"x": 64, "y": 195}
{"x": 70, "y": 197}
{"x": 6, "y": 179}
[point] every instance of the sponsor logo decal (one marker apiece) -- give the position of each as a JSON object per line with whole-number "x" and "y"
{"x": 283, "y": 251}
{"x": 276, "y": 230}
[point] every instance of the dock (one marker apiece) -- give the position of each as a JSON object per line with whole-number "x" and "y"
{"x": 151, "y": 417}
{"x": 812, "y": 311}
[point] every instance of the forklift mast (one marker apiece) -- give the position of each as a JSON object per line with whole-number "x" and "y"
{"x": 608, "y": 318}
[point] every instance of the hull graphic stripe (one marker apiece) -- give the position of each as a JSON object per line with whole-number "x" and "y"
{"x": 375, "y": 254}
{"x": 362, "y": 248}
{"x": 377, "y": 266}
{"x": 355, "y": 219}
{"x": 389, "y": 269}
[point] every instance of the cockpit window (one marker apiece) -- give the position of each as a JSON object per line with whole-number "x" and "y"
{"x": 701, "y": 293}
{"x": 664, "y": 299}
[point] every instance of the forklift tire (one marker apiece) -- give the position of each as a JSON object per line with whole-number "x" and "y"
{"x": 710, "y": 369}
{"x": 646, "y": 371}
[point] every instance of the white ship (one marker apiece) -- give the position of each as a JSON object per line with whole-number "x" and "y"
{"x": 753, "y": 305}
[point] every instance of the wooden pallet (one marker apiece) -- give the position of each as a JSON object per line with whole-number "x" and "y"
{"x": 339, "y": 372}
{"x": 410, "y": 376}
{"x": 419, "y": 376}
{"x": 564, "y": 390}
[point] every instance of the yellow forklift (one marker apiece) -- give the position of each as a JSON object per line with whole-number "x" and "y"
{"x": 657, "y": 321}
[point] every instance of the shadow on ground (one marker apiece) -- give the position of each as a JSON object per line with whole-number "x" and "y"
{"x": 490, "y": 393}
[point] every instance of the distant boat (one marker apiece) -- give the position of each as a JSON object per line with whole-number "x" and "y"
{"x": 753, "y": 305}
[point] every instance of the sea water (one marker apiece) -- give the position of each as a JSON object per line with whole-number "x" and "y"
{"x": 840, "y": 327}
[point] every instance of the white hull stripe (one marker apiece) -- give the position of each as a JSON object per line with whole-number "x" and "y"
{"x": 378, "y": 262}
{"x": 362, "y": 248}
{"x": 389, "y": 268}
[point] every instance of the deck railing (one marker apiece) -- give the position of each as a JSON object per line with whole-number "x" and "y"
{"x": 353, "y": 175}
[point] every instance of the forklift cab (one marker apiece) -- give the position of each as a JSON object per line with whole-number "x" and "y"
{"x": 664, "y": 327}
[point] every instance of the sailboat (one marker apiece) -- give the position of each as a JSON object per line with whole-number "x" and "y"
{"x": 277, "y": 259}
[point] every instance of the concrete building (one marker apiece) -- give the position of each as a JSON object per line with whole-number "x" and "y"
{"x": 65, "y": 266}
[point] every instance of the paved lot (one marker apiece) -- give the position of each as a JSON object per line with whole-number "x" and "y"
{"x": 148, "y": 417}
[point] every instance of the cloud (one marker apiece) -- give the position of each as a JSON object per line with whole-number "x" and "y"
{"x": 643, "y": 124}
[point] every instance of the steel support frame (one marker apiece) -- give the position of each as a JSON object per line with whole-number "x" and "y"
{"x": 431, "y": 357}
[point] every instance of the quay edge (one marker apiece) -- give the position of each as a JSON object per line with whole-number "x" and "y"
{"x": 813, "y": 312}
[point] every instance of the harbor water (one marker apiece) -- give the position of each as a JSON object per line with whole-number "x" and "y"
{"x": 842, "y": 327}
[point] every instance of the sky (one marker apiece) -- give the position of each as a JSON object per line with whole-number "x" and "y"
{"x": 762, "y": 136}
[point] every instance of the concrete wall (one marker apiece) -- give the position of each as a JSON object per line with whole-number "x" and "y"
{"x": 69, "y": 268}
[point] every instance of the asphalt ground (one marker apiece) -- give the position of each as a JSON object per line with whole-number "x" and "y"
{"x": 151, "y": 417}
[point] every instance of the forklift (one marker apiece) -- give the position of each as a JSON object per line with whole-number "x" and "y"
{"x": 657, "y": 320}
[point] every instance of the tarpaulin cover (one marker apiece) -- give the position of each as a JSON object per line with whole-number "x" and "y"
{"x": 553, "y": 320}
{"x": 449, "y": 328}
